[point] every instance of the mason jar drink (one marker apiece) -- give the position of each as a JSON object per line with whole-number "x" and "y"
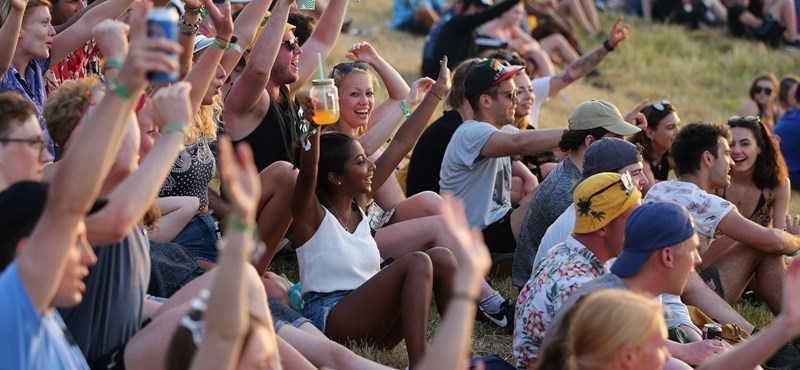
{"x": 325, "y": 98}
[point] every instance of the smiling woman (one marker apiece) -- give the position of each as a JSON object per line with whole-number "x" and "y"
{"x": 763, "y": 100}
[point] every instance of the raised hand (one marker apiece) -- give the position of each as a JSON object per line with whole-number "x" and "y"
{"x": 239, "y": 179}
{"x": 443, "y": 83}
{"x": 18, "y": 4}
{"x": 146, "y": 54}
{"x": 171, "y": 105}
{"x": 790, "y": 307}
{"x": 220, "y": 16}
{"x": 112, "y": 39}
{"x": 362, "y": 51}
{"x": 636, "y": 117}
{"x": 618, "y": 34}
{"x": 418, "y": 90}
{"x": 793, "y": 224}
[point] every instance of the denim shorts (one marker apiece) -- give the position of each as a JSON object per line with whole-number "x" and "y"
{"x": 283, "y": 314}
{"x": 200, "y": 237}
{"x": 317, "y": 306}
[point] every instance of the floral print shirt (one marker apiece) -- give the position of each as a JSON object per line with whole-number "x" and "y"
{"x": 83, "y": 62}
{"x": 564, "y": 269}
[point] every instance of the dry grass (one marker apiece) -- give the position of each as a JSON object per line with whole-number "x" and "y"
{"x": 705, "y": 75}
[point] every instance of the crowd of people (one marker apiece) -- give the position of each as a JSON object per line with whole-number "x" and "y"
{"x": 140, "y": 219}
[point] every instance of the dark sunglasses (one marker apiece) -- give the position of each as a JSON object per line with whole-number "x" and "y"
{"x": 291, "y": 44}
{"x": 662, "y": 105}
{"x": 585, "y": 205}
{"x": 758, "y": 89}
{"x": 36, "y": 143}
{"x": 348, "y": 67}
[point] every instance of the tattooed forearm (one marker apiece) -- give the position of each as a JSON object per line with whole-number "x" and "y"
{"x": 584, "y": 65}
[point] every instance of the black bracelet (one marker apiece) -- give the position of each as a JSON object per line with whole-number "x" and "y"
{"x": 607, "y": 46}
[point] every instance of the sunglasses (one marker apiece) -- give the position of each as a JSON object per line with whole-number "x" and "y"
{"x": 510, "y": 95}
{"x": 662, "y": 105}
{"x": 348, "y": 67}
{"x": 752, "y": 119}
{"x": 291, "y": 44}
{"x": 759, "y": 89}
{"x": 36, "y": 143}
{"x": 585, "y": 205}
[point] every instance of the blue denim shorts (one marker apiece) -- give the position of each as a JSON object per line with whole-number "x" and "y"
{"x": 317, "y": 306}
{"x": 200, "y": 237}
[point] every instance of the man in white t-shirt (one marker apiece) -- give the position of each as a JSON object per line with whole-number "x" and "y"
{"x": 749, "y": 254}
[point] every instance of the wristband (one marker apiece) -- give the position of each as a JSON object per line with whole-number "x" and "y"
{"x": 195, "y": 10}
{"x": 221, "y": 45}
{"x": 435, "y": 94}
{"x": 175, "y": 126}
{"x": 464, "y": 296}
{"x": 113, "y": 64}
{"x": 404, "y": 108}
{"x": 607, "y": 46}
{"x": 240, "y": 226}
{"x": 115, "y": 87}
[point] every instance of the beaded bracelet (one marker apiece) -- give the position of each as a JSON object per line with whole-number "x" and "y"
{"x": 188, "y": 29}
{"x": 113, "y": 64}
{"x": 194, "y": 10}
{"x": 240, "y": 226}
{"x": 114, "y": 86}
{"x": 175, "y": 126}
{"x": 404, "y": 108}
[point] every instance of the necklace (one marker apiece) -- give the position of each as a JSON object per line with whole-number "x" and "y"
{"x": 742, "y": 198}
{"x": 346, "y": 222}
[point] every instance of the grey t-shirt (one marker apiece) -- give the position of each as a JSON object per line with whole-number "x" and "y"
{"x": 484, "y": 184}
{"x": 675, "y": 312}
{"x": 111, "y": 311}
{"x": 552, "y": 197}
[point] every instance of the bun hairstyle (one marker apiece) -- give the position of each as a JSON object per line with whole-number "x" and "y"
{"x": 607, "y": 321}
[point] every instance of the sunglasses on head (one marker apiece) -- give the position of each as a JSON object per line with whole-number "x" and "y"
{"x": 585, "y": 205}
{"x": 291, "y": 44}
{"x": 348, "y": 67}
{"x": 758, "y": 89}
{"x": 752, "y": 119}
{"x": 662, "y": 105}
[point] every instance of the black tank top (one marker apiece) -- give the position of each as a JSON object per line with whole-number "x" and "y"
{"x": 275, "y": 138}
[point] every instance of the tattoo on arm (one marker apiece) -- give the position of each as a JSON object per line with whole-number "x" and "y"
{"x": 584, "y": 65}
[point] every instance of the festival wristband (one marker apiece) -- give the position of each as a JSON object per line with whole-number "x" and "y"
{"x": 176, "y": 126}
{"x": 114, "y": 86}
{"x": 113, "y": 64}
{"x": 240, "y": 226}
{"x": 404, "y": 108}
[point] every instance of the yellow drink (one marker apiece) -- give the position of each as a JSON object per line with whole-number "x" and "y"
{"x": 326, "y": 117}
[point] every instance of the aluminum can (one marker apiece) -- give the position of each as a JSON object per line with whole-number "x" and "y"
{"x": 163, "y": 23}
{"x": 712, "y": 331}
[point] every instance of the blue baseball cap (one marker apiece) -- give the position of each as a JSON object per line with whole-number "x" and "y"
{"x": 651, "y": 227}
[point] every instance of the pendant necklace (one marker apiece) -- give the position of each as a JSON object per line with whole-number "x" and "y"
{"x": 345, "y": 223}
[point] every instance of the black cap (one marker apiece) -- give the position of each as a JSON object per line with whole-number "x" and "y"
{"x": 483, "y": 75}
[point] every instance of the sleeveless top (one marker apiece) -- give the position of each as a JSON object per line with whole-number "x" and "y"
{"x": 191, "y": 173}
{"x": 763, "y": 212}
{"x": 661, "y": 171}
{"x": 275, "y": 138}
{"x": 333, "y": 259}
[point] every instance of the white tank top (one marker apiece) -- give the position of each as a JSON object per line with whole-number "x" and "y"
{"x": 333, "y": 259}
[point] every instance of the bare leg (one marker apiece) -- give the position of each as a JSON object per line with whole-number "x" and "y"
{"x": 321, "y": 351}
{"x": 426, "y": 16}
{"x": 784, "y": 12}
{"x": 274, "y": 216}
{"x": 591, "y": 13}
{"x": 291, "y": 358}
{"x": 558, "y": 45}
{"x": 539, "y": 57}
{"x": 698, "y": 294}
{"x": 573, "y": 9}
{"x": 426, "y": 203}
{"x": 444, "y": 268}
{"x": 390, "y": 193}
{"x": 768, "y": 282}
{"x": 516, "y": 190}
{"x": 391, "y": 306}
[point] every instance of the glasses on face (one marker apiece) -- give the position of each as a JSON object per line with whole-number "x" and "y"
{"x": 662, "y": 105}
{"x": 348, "y": 67}
{"x": 510, "y": 95}
{"x": 291, "y": 44}
{"x": 759, "y": 89}
{"x": 36, "y": 143}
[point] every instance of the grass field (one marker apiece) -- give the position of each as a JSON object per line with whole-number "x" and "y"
{"x": 704, "y": 74}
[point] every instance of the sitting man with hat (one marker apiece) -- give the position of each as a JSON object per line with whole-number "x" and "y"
{"x": 654, "y": 261}
{"x": 603, "y": 204}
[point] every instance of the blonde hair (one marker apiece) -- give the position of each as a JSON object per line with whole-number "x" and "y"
{"x": 206, "y": 121}
{"x": 606, "y": 321}
{"x": 338, "y": 78}
{"x": 66, "y": 106}
{"x": 5, "y": 8}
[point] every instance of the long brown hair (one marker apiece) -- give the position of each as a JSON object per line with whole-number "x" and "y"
{"x": 769, "y": 170}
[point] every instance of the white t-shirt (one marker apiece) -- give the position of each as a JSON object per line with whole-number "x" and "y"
{"x": 556, "y": 233}
{"x": 706, "y": 209}
{"x": 484, "y": 184}
{"x": 541, "y": 90}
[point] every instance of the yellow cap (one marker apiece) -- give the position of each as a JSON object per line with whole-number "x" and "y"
{"x": 602, "y": 198}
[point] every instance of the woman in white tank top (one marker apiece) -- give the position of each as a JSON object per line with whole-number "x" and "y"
{"x": 347, "y": 294}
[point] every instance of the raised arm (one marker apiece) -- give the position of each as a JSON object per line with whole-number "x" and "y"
{"x": 451, "y": 346}
{"x": 409, "y": 132}
{"x": 9, "y": 32}
{"x": 188, "y": 25}
{"x": 203, "y": 72}
{"x": 244, "y": 28}
{"x": 527, "y": 142}
{"x": 467, "y": 23}
{"x": 128, "y": 203}
{"x": 68, "y": 40}
{"x": 588, "y": 62}
{"x": 321, "y": 41}
{"x": 226, "y": 317}
{"x": 393, "y": 114}
{"x": 305, "y": 207}
{"x": 77, "y": 182}
{"x": 249, "y": 91}
{"x": 395, "y": 84}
